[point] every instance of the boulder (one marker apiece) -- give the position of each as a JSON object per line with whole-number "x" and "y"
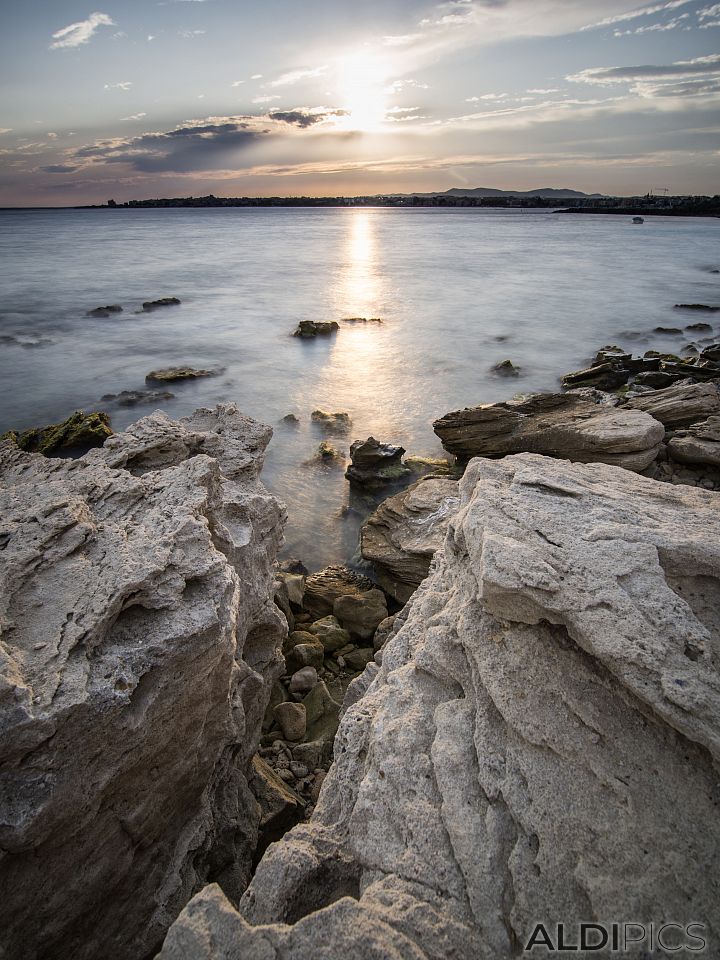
{"x": 316, "y": 328}
{"x": 323, "y": 714}
{"x": 138, "y": 646}
{"x": 151, "y": 305}
{"x": 554, "y": 424}
{"x": 302, "y": 681}
{"x": 401, "y": 537}
{"x": 305, "y": 655}
{"x": 541, "y": 741}
{"x": 292, "y": 719}
{"x": 332, "y": 422}
{"x": 174, "y": 374}
{"x": 361, "y": 615}
{"x": 324, "y": 587}
{"x": 80, "y": 432}
{"x": 699, "y": 444}
{"x": 329, "y": 633}
{"x": 680, "y": 405}
{"x": 375, "y": 464}
{"x": 105, "y": 311}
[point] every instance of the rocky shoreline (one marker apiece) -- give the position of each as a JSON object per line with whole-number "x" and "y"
{"x": 512, "y": 719}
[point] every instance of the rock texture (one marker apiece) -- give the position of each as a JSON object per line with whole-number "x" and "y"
{"x": 539, "y": 743}
{"x": 679, "y": 406}
{"x": 698, "y": 444}
{"x": 401, "y": 537}
{"x": 138, "y": 644}
{"x": 554, "y": 424}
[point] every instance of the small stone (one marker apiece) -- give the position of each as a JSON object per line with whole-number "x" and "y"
{"x": 330, "y": 634}
{"x": 360, "y": 658}
{"x": 284, "y": 774}
{"x": 310, "y": 753}
{"x": 305, "y": 655}
{"x": 292, "y": 718}
{"x": 303, "y": 680}
{"x": 298, "y": 770}
{"x": 506, "y": 368}
{"x": 308, "y": 329}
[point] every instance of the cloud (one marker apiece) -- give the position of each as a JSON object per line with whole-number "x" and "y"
{"x": 303, "y": 117}
{"x": 59, "y": 168}
{"x": 81, "y": 32}
{"x": 707, "y": 12}
{"x": 121, "y": 85}
{"x": 189, "y": 34}
{"x": 604, "y": 76}
{"x": 267, "y": 99}
{"x": 654, "y": 27}
{"x": 543, "y": 90}
{"x": 256, "y": 76}
{"x": 237, "y": 83}
{"x": 134, "y": 116}
{"x": 295, "y": 76}
{"x": 6, "y": 129}
{"x": 641, "y": 12}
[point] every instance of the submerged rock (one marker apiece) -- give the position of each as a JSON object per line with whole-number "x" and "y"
{"x": 332, "y": 422}
{"x": 554, "y": 424}
{"x": 78, "y": 433}
{"x": 506, "y": 368}
{"x": 541, "y": 740}
{"x": 151, "y": 305}
{"x": 131, "y": 398}
{"x": 139, "y": 646}
{"x": 699, "y": 327}
{"x": 105, "y": 311}
{"x": 362, "y": 320}
{"x": 376, "y": 464}
{"x": 316, "y": 328}
{"x": 695, "y": 306}
{"x": 173, "y": 374}
{"x": 401, "y": 537}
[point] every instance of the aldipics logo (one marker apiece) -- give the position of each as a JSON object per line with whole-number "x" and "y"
{"x": 653, "y": 939}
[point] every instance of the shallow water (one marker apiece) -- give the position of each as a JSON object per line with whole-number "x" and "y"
{"x": 447, "y": 283}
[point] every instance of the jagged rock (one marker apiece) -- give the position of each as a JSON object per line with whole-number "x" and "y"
{"x": 554, "y": 424}
{"x": 540, "y": 742}
{"x": 138, "y": 646}
{"x": 332, "y": 422}
{"x": 77, "y": 434}
{"x": 151, "y": 305}
{"x": 603, "y": 376}
{"x": 131, "y": 398}
{"x": 316, "y": 328}
{"x": 280, "y": 806}
{"x": 174, "y": 374}
{"x": 384, "y": 632}
{"x": 506, "y": 368}
{"x": 680, "y": 405}
{"x": 327, "y": 453}
{"x": 401, "y": 537}
{"x": 375, "y": 464}
{"x": 295, "y": 586}
{"x": 699, "y": 444}
{"x": 324, "y": 587}
{"x": 361, "y": 616}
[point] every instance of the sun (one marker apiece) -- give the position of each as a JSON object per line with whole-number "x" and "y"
{"x": 363, "y": 93}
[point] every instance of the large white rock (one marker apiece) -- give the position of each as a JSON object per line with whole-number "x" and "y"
{"x": 138, "y": 644}
{"x": 540, "y": 742}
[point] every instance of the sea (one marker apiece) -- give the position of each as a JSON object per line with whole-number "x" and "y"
{"x": 457, "y": 290}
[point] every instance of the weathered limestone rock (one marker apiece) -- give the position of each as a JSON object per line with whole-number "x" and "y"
{"x": 401, "y": 537}
{"x": 699, "y": 444}
{"x": 360, "y": 616}
{"x": 375, "y": 464}
{"x": 554, "y": 424}
{"x": 324, "y": 587}
{"x": 138, "y": 646}
{"x": 540, "y": 742}
{"x": 681, "y": 405}
{"x": 78, "y": 433}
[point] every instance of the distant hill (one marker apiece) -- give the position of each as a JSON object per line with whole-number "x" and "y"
{"x": 547, "y": 193}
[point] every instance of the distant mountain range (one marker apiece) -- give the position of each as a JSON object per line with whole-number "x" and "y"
{"x": 547, "y": 193}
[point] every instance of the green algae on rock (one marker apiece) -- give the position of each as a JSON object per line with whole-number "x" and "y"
{"x": 172, "y": 374}
{"x": 79, "y": 431}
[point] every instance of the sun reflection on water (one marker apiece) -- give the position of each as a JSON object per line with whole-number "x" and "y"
{"x": 359, "y": 281}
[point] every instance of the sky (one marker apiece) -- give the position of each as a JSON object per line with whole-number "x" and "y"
{"x": 169, "y": 98}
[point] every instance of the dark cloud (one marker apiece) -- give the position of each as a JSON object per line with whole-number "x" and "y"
{"x": 58, "y": 168}
{"x": 305, "y": 118}
{"x": 700, "y": 66}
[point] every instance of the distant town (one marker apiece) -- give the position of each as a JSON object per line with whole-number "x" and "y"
{"x": 565, "y": 201}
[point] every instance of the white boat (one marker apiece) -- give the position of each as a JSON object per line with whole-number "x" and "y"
{"x": 638, "y": 220}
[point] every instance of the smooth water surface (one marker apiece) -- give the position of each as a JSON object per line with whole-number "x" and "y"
{"x": 449, "y": 284}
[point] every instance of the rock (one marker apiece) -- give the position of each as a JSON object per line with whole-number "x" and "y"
{"x": 362, "y": 320}
{"x": 105, "y": 311}
{"x": 384, "y": 632}
{"x": 699, "y": 326}
{"x": 291, "y": 419}
{"x": 295, "y": 587}
{"x": 174, "y": 374}
{"x": 506, "y": 368}
{"x": 323, "y": 588}
{"x": 358, "y": 659}
{"x": 332, "y": 422}
{"x": 436, "y": 466}
{"x": 668, "y": 330}
{"x": 555, "y": 424}
{"x": 375, "y": 464}
{"x": 151, "y": 305}
{"x": 80, "y": 432}
{"x": 603, "y": 376}
{"x": 695, "y": 306}
{"x": 280, "y": 807}
{"x": 323, "y": 714}
{"x": 541, "y": 741}
{"x": 298, "y": 770}
{"x": 282, "y": 601}
{"x": 692, "y": 368}
{"x": 305, "y": 655}
{"x": 330, "y": 634}
{"x": 278, "y": 695}
{"x": 293, "y": 565}
{"x": 316, "y": 328}
{"x": 139, "y": 647}
{"x": 295, "y": 637}
{"x": 292, "y": 719}
{"x": 361, "y": 615}
{"x": 327, "y": 453}
{"x": 679, "y": 406}
{"x": 312, "y": 754}
{"x": 303, "y": 680}
{"x": 699, "y": 444}
{"x": 131, "y": 398}
{"x": 401, "y": 537}
{"x": 656, "y": 379}
{"x": 711, "y": 353}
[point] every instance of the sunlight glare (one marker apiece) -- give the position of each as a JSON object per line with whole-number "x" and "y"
{"x": 363, "y": 91}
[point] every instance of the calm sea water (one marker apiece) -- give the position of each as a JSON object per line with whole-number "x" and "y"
{"x": 448, "y": 285}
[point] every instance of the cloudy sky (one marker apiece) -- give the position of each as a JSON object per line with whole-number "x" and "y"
{"x": 141, "y": 98}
